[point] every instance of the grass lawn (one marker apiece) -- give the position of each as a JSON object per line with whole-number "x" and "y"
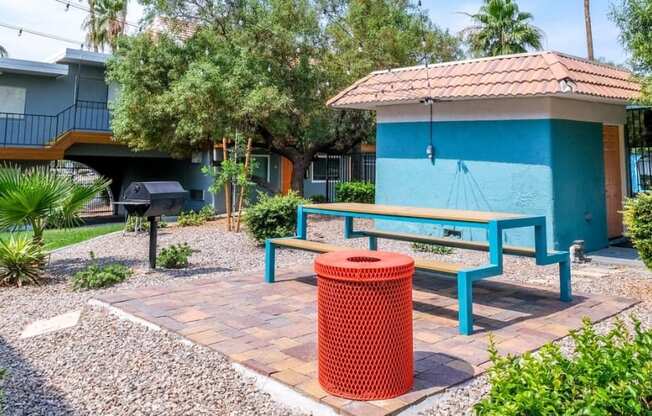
{"x": 61, "y": 238}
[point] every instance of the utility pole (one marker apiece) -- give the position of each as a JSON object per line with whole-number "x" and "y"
{"x": 589, "y": 32}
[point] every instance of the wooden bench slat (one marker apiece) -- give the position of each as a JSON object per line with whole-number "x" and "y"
{"x": 314, "y": 246}
{"x": 317, "y": 247}
{"x": 439, "y": 266}
{"x": 416, "y": 212}
{"x": 449, "y": 242}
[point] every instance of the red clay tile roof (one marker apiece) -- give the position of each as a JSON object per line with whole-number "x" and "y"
{"x": 522, "y": 75}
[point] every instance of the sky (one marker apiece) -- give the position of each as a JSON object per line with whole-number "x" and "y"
{"x": 562, "y": 21}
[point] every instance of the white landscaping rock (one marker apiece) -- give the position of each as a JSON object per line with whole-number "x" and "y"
{"x": 57, "y": 323}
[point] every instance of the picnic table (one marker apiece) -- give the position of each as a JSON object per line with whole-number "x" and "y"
{"x": 494, "y": 223}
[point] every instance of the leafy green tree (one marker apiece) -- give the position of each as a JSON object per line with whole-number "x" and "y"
{"x": 35, "y": 196}
{"x": 500, "y": 28}
{"x": 264, "y": 68}
{"x": 105, "y": 23}
{"x": 634, "y": 18}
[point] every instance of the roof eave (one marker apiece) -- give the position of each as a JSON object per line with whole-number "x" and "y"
{"x": 575, "y": 96}
{"x": 35, "y": 68}
{"x": 79, "y": 56}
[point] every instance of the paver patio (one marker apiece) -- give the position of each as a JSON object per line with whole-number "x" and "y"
{"x": 271, "y": 328}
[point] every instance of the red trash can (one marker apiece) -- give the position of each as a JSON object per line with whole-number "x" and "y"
{"x": 365, "y": 323}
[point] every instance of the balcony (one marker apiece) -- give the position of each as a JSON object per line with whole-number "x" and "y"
{"x": 40, "y": 131}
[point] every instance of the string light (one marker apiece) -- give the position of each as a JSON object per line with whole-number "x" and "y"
{"x": 22, "y": 30}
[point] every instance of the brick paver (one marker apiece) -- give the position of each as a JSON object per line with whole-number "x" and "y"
{"x": 271, "y": 328}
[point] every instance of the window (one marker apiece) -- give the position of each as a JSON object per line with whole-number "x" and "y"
{"x": 326, "y": 166}
{"x": 12, "y": 100}
{"x": 261, "y": 167}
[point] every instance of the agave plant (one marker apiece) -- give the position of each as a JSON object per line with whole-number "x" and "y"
{"x": 21, "y": 261}
{"x": 35, "y": 196}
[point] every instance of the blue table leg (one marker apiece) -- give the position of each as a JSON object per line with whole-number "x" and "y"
{"x": 348, "y": 227}
{"x": 373, "y": 243}
{"x": 465, "y": 299}
{"x": 302, "y": 226}
{"x": 565, "y": 291}
{"x": 270, "y": 260}
{"x": 495, "y": 237}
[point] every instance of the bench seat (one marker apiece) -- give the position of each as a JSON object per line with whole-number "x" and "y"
{"x": 317, "y": 247}
{"x": 449, "y": 242}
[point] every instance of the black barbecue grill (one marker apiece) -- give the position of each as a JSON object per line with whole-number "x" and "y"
{"x": 151, "y": 200}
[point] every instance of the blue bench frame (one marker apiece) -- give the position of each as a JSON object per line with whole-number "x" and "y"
{"x": 465, "y": 278}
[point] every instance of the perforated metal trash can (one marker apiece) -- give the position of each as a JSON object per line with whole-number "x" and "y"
{"x": 365, "y": 324}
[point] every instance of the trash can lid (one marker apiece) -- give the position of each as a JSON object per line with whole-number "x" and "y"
{"x": 364, "y": 265}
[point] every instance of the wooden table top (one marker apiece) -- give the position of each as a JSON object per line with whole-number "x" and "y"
{"x": 417, "y": 212}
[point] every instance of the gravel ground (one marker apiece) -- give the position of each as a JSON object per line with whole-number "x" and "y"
{"x": 105, "y": 366}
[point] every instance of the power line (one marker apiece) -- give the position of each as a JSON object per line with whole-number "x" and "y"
{"x": 22, "y": 30}
{"x": 85, "y": 9}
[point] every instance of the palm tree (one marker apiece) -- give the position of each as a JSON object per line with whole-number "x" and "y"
{"x": 589, "y": 31}
{"x": 499, "y": 28}
{"x": 38, "y": 196}
{"x": 105, "y": 23}
{"x": 3, "y": 52}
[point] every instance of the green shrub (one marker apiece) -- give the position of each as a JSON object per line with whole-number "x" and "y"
{"x": 638, "y": 219}
{"x": 432, "y": 248}
{"x": 273, "y": 216}
{"x": 3, "y": 372}
{"x": 96, "y": 276}
{"x": 318, "y": 199}
{"x": 22, "y": 261}
{"x": 364, "y": 192}
{"x": 190, "y": 219}
{"x": 132, "y": 220}
{"x": 609, "y": 374}
{"x": 207, "y": 212}
{"x": 174, "y": 256}
{"x": 195, "y": 218}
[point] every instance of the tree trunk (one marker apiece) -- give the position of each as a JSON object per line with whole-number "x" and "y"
{"x": 243, "y": 188}
{"x": 299, "y": 166}
{"x": 589, "y": 31}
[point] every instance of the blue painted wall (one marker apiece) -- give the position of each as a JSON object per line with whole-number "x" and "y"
{"x": 48, "y": 96}
{"x": 506, "y": 165}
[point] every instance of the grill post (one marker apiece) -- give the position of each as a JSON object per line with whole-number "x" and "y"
{"x": 152, "y": 242}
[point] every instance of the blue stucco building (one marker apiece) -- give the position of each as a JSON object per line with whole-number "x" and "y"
{"x": 537, "y": 133}
{"x": 59, "y": 110}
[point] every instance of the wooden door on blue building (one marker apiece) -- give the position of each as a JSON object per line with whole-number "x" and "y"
{"x": 612, "y": 180}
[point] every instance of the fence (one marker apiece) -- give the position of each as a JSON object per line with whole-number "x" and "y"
{"x": 101, "y": 204}
{"x": 327, "y": 170}
{"x": 37, "y": 130}
{"x": 638, "y": 141}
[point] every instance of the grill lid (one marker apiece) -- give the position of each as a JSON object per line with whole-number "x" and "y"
{"x": 150, "y": 191}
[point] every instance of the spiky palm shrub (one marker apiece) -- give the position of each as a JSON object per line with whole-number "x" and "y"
{"x": 21, "y": 261}
{"x": 35, "y": 196}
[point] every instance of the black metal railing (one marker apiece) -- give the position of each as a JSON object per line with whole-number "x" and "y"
{"x": 37, "y": 130}
{"x": 101, "y": 204}
{"x": 327, "y": 170}
{"x": 638, "y": 141}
